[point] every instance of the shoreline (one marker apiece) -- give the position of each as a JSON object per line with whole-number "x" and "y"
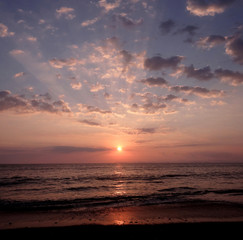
{"x": 231, "y": 230}
{"x": 149, "y": 215}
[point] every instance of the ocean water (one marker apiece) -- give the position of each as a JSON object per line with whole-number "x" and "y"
{"x": 78, "y": 186}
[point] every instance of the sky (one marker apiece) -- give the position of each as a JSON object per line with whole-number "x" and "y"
{"x": 162, "y": 79}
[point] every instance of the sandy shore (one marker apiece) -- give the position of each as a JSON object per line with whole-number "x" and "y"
{"x": 134, "y": 215}
{"x": 204, "y": 230}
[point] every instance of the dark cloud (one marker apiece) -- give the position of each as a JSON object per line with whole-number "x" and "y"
{"x": 234, "y": 48}
{"x": 146, "y": 130}
{"x": 89, "y": 122}
{"x": 199, "y": 91}
{"x": 207, "y": 8}
{"x": 170, "y": 97}
{"x": 107, "y": 96}
{"x": 233, "y": 78}
{"x": 127, "y": 58}
{"x": 112, "y": 43}
{"x": 135, "y": 107}
{"x": 167, "y": 26}
{"x": 154, "y": 81}
{"x": 46, "y": 96}
{"x": 13, "y": 102}
{"x": 93, "y": 109}
{"x": 189, "y": 29}
{"x": 38, "y": 103}
{"x": 71, "y": 149}
{"x": 202, "y": 74}
{"x": 210, "y": 41}
{"x": 151, "y": 107}
{"x": 4, "y": 93}
{"x": 158, "y": 63}
{"x": 126, "y": 21}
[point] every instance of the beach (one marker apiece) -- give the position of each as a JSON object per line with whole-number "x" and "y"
{"x": 131, "y": 201}
{"x": 142, "y": 221}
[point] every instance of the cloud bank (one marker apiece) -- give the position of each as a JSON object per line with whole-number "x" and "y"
{"x": 37, "y": 103}
{"x": 157, "y": 63}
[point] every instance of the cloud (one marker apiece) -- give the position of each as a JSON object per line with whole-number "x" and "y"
{"x": 158, "y": 63}
{"x": 210, "y": 41}
{"x": 42, "y": 21}
{"x": 65, "y": 12}
{"x": 38, "y": 103}
{"x": 97, "y": 87}
{"x": 172, "y": 97}
{"x": 109, "y": 6}
{"x": 153, "y": 104}
{"x": 151, "y": 108}
{"x": 154, "y": 81}
{"x": 107, "y": 96}
{"x": 31, "y": 39}
{"x": 71, "y": 149}
{"x": 148, "y": 107}
{"x": 4, "y": 31}
{"x": 20, "y": 74}
{"x": 89, "y": 122}
{"x": 207, "y": 8}
{"x": 146, "y": 130}
{"x": 231, "y": 77}
{"x": 109, "y": 44}
{"x": 93, "y": 109}
{"x": 127, "y": 57}
{"x": 189, "y": 29}
{"x": 128, "y": 22}
{"x": 9, "y": 101}
{"x": 16, "y": 52}
{"x": 217, "y": 103}
{"x": 199, "y": 91}
{"x": 167, "y": 26}
{"x": 202, "y": 74}
{"x": 234, "y": 48}
{"x": 76, "y": 85}
{"x": 89, "y": 22}
{"x": 69, "y": 62}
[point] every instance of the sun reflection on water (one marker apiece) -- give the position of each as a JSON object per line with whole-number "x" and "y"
{"x": 120, "y": 185}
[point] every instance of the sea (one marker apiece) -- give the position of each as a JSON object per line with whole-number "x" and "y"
{"x": 90, "y": 186}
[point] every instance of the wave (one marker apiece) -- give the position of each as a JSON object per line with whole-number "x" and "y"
{"x": 140, "y": 177}
{"x": 20, "y": 180}
{"x": 169, "y": 195}
{"x": 193, "y": 191}
{"x": 17, "y": 180}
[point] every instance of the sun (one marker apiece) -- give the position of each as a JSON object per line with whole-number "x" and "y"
{"x": 119, "y": 149}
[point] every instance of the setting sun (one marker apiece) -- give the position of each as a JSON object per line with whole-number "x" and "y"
{"x": 119, "y": 148}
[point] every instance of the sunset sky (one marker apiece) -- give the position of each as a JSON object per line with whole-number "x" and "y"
{"x": 163, "y": 79}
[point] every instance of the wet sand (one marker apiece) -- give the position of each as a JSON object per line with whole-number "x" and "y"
{"x": 207, "y": 230}
{"x": 142, "y": 221}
